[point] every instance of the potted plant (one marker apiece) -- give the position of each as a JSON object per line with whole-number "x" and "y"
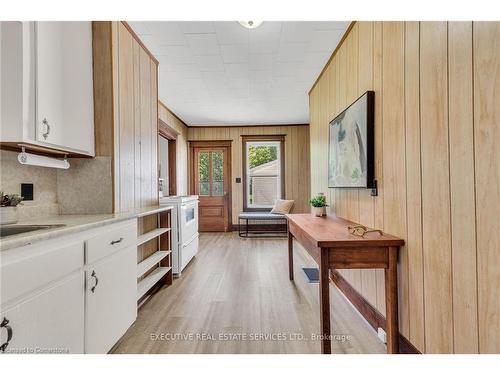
{"x": 8, "y": 208}
{"x": 319, "y": 205}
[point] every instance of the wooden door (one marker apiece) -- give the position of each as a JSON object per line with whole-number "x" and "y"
{"x": 210, "y": 168}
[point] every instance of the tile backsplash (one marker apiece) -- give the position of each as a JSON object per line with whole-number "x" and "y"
{"x": 12, "y": 174}
{"x": 85, "y": 188}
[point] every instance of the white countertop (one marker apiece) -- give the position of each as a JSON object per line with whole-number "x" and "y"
{"x": 72, "y": 224}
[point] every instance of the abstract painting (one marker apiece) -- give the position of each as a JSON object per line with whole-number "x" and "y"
{"x": 350, "y": 161}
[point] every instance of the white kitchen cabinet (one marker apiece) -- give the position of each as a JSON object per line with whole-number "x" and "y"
{"x": 47, "y": 71}
{"x": 75, "y": 293}
{"x": 49, "y": 321}
{"x": 111, "y": 303}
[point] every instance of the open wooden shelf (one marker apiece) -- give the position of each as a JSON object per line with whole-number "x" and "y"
{"x": 150, "y": 235}
{"x": 150, "y": 261}
{"x": 149, "y": 281}
{"x": 154, "y": 251}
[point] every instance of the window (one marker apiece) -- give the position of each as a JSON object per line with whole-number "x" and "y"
{"x": 263, "y": 172}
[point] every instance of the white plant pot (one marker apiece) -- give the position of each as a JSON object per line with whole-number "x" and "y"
{"x": 8, "y": 215}
{"x": 318, "y": 211}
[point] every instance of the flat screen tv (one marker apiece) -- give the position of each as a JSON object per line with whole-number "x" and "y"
{"x": 351, "y": 148}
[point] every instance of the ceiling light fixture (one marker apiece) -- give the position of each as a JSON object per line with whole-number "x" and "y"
{"x": 250, "y": 24}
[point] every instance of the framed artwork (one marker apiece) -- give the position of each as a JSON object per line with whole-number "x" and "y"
{"x": 351, "y": 145}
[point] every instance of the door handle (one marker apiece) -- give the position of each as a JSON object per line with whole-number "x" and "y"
{"x": 47, "y": 125}
{"x": 5, "y": 324}
{"x": 93, "y": 275}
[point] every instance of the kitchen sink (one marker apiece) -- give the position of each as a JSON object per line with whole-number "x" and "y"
{"x": 10, "y": 230}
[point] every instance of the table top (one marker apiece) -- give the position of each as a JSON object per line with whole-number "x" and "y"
{"x": 331, "y": 231}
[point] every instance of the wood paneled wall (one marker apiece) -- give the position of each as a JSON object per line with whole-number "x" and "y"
{"x": 126, "y": 114}
{"x": 437, "y": 114}
{"x": 297, "y": 181}
{"x": 180, "y": 127}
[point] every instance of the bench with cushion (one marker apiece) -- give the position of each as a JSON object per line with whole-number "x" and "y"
{"x": 260, "y": 216}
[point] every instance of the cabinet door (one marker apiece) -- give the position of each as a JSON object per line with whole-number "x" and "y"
{"x": 111, "y": 297}
{"x": 50, "y": 321}
{"x": 64, "y": 85}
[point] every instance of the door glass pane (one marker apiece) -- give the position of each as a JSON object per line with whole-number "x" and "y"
{"x": 218, "y": 173}
{"x": 203, "y": 173}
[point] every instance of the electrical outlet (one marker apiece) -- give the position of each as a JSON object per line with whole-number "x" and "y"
{"x": 382, "y": 335}
{"x": 27, "y": 192}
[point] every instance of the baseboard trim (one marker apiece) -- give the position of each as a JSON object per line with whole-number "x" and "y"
{"x": 372, "y": 316}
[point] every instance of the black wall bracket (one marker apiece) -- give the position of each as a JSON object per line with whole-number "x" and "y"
{"x": 374, "y": 189}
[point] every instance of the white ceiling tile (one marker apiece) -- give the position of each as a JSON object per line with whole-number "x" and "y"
{"x": 166, "y": 33}
{"x": 231, "y": 32}
{"x": 287, "y": 68}
{"x": 292, "y": 51}
{"x": 219, "y": 73}
{"x": 260, "y": 75}
{"x": 266, "y": 45}
{"x": 210, "y": 63}
{"x": 325, "y": 40}
{"x": 203, "y": 44}
{"x": 175, "y": 54}
{"x": 197, "y": 27}
{"x": 236, "y": 70}
{"x": 267, "y": 27}
{"x": 331, "y": 25}
{"x": 261, "y": 61}
{"x": 299, "y": 31}
{"x": 234, "y": 53}
{"x": 239, "y": 83}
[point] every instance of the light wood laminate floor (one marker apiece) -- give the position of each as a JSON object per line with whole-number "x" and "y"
{"x": 235, "y": 297}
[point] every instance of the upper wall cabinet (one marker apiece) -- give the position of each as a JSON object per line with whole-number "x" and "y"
{"x": 47, "y": 72}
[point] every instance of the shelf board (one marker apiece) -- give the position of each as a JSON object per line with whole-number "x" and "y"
{"x": 150, "y": 235}
{"x": 150, "y": 261}
{"x": 149, "y": 281}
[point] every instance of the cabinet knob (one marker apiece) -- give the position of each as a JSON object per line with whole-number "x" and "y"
{"x": 47, "y": 126}
{"x": 5, "y": 324}
{"x": 94, "y": 276}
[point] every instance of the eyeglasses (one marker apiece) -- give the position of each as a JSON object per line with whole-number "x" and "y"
{"x": 361, "y": 230}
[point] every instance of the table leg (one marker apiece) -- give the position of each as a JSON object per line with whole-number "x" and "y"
{"x": 391, "y": 302}
{"x": 290, "y": 255}
{"x": 324, "y": 302}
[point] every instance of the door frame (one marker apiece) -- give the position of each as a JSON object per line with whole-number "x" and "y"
{"x": 229, "y": 196}
{"x": 170, "y": 135}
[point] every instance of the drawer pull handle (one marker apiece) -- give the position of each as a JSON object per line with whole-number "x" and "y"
{"x": 96, "y": 281}
{"x": 117, "y": 241}
{"x": 5, "y": 324}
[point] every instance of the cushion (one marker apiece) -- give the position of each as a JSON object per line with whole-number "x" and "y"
{"x": 282, "y": 206}
{"x": 260, "y": 216}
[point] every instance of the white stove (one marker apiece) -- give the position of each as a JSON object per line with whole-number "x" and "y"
{"x": 184, "y": 229}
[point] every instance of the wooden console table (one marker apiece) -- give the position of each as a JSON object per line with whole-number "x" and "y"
{"x": 330, "y": 244}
